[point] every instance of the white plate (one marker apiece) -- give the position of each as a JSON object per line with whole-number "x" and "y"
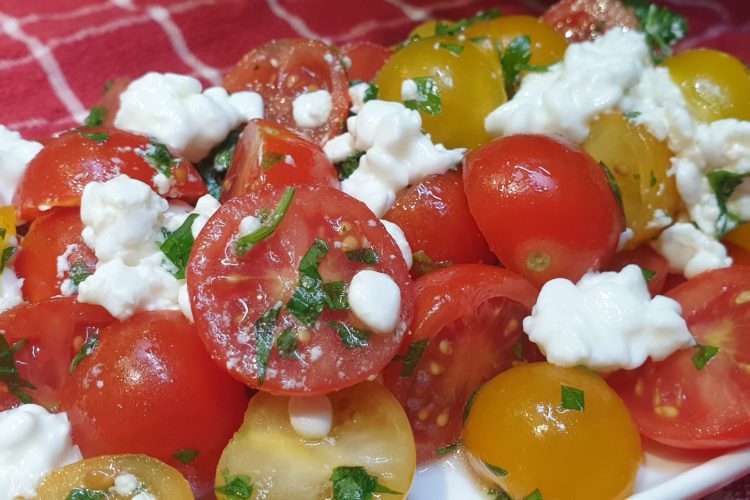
{"x": 665, "y": 474}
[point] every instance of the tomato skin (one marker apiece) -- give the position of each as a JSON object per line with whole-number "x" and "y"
{"x": 580, "y": 20}
{"x": 366, "y": 59}
{"x": 282, "y": 70}
{"x": 261, "y": 159}
{"x": 110, "y": 99}
{"x": 159, "y": 393}
{"x": 545, "y": 207}
{"x": 646, "y": 258}
{"x": 57, "y": 175}
{"x": 54, "y": 330}
{"x": 49, "y": 237}
{"x": 674, "y": 403}
{"x": 470, "y": 314}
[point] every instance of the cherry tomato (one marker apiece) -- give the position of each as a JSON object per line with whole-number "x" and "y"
{"x": 366, "y": 59}
{"x": 436, "y": 220}
{"x": 469, "y": 83}
{"x": 56, "y": 176}
{"x": 55, "y": 235}
{"x": 655, "y": 267}
{"x": 740, "y": 236}
{"x": 149, "y": 387}
{"x": 579, "y": 20}
{"x": 369, "y": 430}
{"x": 47, "y": 336}
{"x": 7, "y": 225}
{"x": 282, "y": 70}
{"x": 466, "y": 320}
{"x": 270, "y": 155}
{"x": 699, "y": 398}
{"x": 522, "y": 424}
{"x": 110, "y": 100}
{"x": 545, "y": 207}
{"x": 715, "y": 84}
{"x": 232, "y": 296}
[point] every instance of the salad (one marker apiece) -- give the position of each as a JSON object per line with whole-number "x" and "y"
{"x": 515, "y": 241}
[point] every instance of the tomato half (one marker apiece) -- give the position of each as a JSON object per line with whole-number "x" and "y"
{"x": 110, "y": 99}
{"x": 579, "y": 20}
{"x": 366, "y": 59}
{"x": 466, "y": 320}
{"x": 270, "y": 155}
{"x": 231, "y": 294}
{"x": 55, "y": 235}
{"x": 149, "y": 387}
{"x": 57, "y": 175}
{"x": 50, "y": 333}
{"x": 544, "y": 206}
{"x": 699, "y": 398}
{"x": 655, "y": 267}
{"x": 282, "y": 70}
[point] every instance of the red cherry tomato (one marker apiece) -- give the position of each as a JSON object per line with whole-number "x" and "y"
{"x": 544, "y": 206}
{"x": 435, "y": 219}
{"x": 579, "y": 20}
{"x": 270, "y": 155}
{"x": 366, "y": 59}
{"x": 55, "y": 234}
{"x": 231, "y": 294}
{"x": 282, "y": 70}
{"x": 57, "y": 175}
{"x": 48, "y": 335}
{"x": 110, "y": 99}
{"x": 466, "y": 320}
{"x": 688, "y": 403}
{"x": 149, "y": 387}
{"x": 655, "y": 267}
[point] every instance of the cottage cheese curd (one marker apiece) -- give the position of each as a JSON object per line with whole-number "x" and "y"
{"x": 312, "y": 109}
{"x": 375, "y": 299}
{"x": 15, "y": 154}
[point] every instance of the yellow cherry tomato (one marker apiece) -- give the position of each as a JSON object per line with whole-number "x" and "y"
{"x": 469, "y": 81}
{"x": 547, "y": 45}
{"x": 525, "y": 433}
{"x": 715, "y": 84}
{"x": 740, "y": 236}
{"x": 639, "y": 164}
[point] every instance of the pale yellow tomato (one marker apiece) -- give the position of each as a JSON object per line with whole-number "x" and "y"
{"x": 7, "y": 225}
{"x": 715, "y": 84}
{"x": 639, "y": 164}
{"x": 561, "y": 431}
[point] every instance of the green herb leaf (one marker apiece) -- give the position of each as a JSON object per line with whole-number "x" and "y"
{"x": 723, "y": 184}
{"x": 412, "y": 357}
{"x": 469, "y": 404}
{"x": 351, "y": 337}
{"x": 349, "y": 165}
{"x": 92, "y": 340}
{"x": 224, "y": 152}
{"x": 270, "y": 159}
{"x": 8, "y": 252}
{"x": 632, "y": 115}
{"x": 534, "y": 495}
{"x": 86, "y": 494}
{"x": 95, "y": 117}
{"x": 448, "y": 449}
{"x": 653, "y": 179}
{"x": 354, "y": 483}
{"x": 9, "y": 372}
{"x": 428, "y": 96}
{"x": 158, "y": 156}
{"x": 454, "y": 48}
{"x": 245, "y": 243}
{"x": 179, "y": 244}
{"x": 648, "y": 274}
{"x": 423, "y": 264}
{"x": 572, "y": 398}
{"x": 515, "y": 59}
{"x": 336, "y": 297}
{"x": 238, "y": 487}
{"x": 3, "y": 232}
{"x": 371, "y": 93}
{"x": 663, "y": 28}
{"x": 78, "y": 272}
{"x": 496, "y": 470}
{"x": 287, "y": 343}
{"x": 409, "y": 40}
{"x": 704, "y": 355}
{"x": 185, "y": 455}
{"x": 309, "y": 298}
{"x": 452, "y": 29}
{"x": 615, "y": 187}
{"x": 99, "y": 137}
{"x": 499, "y": 494}
{"x": 518, "y": 349}
{"x": 364, "y": 255}
{"x": 265, "y": 327}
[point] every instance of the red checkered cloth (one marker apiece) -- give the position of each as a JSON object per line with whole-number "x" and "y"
{"x": 55, "y": 55}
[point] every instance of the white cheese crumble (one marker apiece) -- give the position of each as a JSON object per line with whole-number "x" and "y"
{"x": 312, "y": 109}
{"x": 409, "y": 90}
{"x": 126, "y": 484}
{"x": 606, "y": 321}
{"x": 400, "y": 238}
{"x": 691, "y": 251}
{"x": 15, "y": 155}
{"x": 178, "y": 112}
{"x": 340, "y": 147}
{"x": 375, "y": 299}
{"x": 33, "y": 442}
{"x": 249, "y": 225}
{"x": 11, "y": 293}
{"x": 311, "y": 416}
{"x": 357, "y": 96}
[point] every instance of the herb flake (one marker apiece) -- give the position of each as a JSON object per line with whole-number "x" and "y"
{"x": 265, "y": 327}
{"x": 428, "y": 96}
{"x": 515, "y": 60}
{"x": 347, "y": 167}
{"x": 534, "y": 495}
{"x": 78, "y": 273}
{"x": 309, "y": 299}
{"x": 703, "y": 356}
{"x": 454, "y": 48}
{"x": 498, "y": 471}
{"x": 99, "y": 137}
{"x": 9, "y": 372}
{"x": 423, "y": 264}
{"x": 179, "y": 244}
{"x": 499, "y": 494}
{"x": 238, "y": 487}
{"x": 723, "y": 183}
{"x": 185, "y": 456}
{"x": 336, "y": 296}
{"x": 572, "y": 398}
{"x": 86, "y": 349}
{"x": 287, "y": 343}
{"x": 412, "y": 357}
{"x": 158, "y": 156}
{"x": 353, "y": 338}
{"x": 354, "y": 483}
{"x": 648, "y": 274}
{"x": 663, "y": 28}
{"x": 371, "y": 93}
{"x": 270, "y": 159}
{"x": 448, "y": 449}
{"x": 86, "y": 494}
{"x": 95, "y": 117}
{"x": 245, "y": 243}
{"x": 363, "y": 255}
{"x": 5, "y": 256}
{"x": 469, "y": 404}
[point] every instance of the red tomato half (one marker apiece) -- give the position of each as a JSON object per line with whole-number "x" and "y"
{"x": 579, "y": 20}
{"x": 366, "y": 59}
{"x": 53, "y": 332}
{"x": 466, "y": 320}
{"x": 282, "y": 70}
{"x": 654, "y": 266}
{"x": 544, "y": 206}
{"x": 687, "y": 405}
{"x": 270, "y": 155}
{"x": 57, "y": 175}
{"x": 230, "y": 294}
{"x": 55, "y": 234}
{"x": 149, "y": 387}
{"x": 110, "y": 99}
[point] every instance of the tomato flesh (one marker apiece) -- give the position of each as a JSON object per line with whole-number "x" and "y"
{"x": 581, "y": 20}
{"x": 655, "y": 267}
{"x": 366, "y": 59}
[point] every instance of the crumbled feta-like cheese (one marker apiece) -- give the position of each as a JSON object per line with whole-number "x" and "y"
{"x": 178, "y": 212}
{"x": 400, "y": 238}
{"x": 15, "y": 155}
{"x": 173, "y": 109}
{"x": 409, "y": 90}
{"x": 375, "y": 299}
{"x": 11, "y": 294}
{"x": 63, "y": 264}
{"x": 606, "y": 321}
{"x": 312, "y": 109}
{"x": 249, "y": 225}
{"x": 691, "y": 251}
{"x": 340, "y": 147}
{"x": 126, "y": 484}
{"x": 33, "y": 442}
{"x": 625, "y": 238}
{"x": 357, "y": 95}
{"x": 163, "y": 183}
{"x": 311, "y": 416}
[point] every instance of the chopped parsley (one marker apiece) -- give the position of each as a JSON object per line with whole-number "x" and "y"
{"x": 428, "y": 96}
{"x": 534, "y": 495}
{"x": 371, "y": 93}
{"x": 224, "y": 152}
{"x": 92, "y": 340}
{"x": 663, "y": 28}
{"x": 5, "y": 256}
{"x": 415, "y": 37}
{"x": 615, "y": 187}
{"x": 703, "y": 356}
{"x": 185, "y": 456}
{"x": 78, "y": 273}
{"x": 499, "y": 494}
{"x": 498, "y": 471}
{"x": 354, "y": 483}
{"x": 213, "y": 168}
{"x": 158, "y": 156}
{"x": 238, "y": 487}
{"x": 518, "y": 349}
{"x": 99, "y": 137}
{"x": 648, "y": 274}
{"x": 515, "y": 59}
{"x": 9, "y": 372}
{"x": 86, "y": 494}
{"x": 363, "y": 255}
{"x": 351, "y": 337}
{"x": 412, "y": 357}
{"x": 264, "y": 331}
{"x": 652, "y": 180}
{"x": 349, "y": 165}
{"x": 95, "y": 117}
{"x": 469, "y": 404}
{"x": 452, "y": 29}
{"x": 631, "y": 115}
{"x": 270, "y": 159}
{"x": 448, "y": 449}
{"x": 309, "y": 298}
{"x": 336, "y": 297}
{"x": 245, "y": 243}
{"x": 572, "y": 398}
{"x": 179, "y": 244}
{"x": 423, "y": 264}
{"x": 287, "y": 343}
{"x": 723, "y": 184}
{"x": 454, "y": 48}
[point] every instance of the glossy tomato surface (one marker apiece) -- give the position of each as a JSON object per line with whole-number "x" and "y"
{"x": 580, "y": 20}
{"x": 365, "y": 59}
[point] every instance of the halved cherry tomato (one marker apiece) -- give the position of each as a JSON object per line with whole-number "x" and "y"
{"x": 654, "y": 266}
{"x": 110, "y": 99}
{"x": 54, "y": 236}
{"x": 282, "y": 70}
{"x": 579, "y": 20}
{"x": 232, "y": 294}
{"x": 466, "y": 320}
{"x": 56, "y": 176}
{"x": 699, "y": 398}
{"x": 435, "y": 219}
{"x": 545, "y": 207}
{"x": 366, "y": 59}
{"x": 268, "y": 154}
{"x": 149, "y": 387}
{"x": 47, "y": 336}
